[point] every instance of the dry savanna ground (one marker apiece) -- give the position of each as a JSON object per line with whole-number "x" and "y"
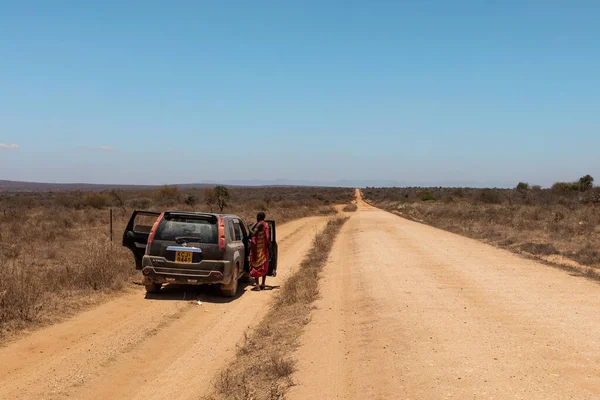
{"x": 371, "y": 305}
{"x": 57, "y": 258}
{"x": 558, "y": 225}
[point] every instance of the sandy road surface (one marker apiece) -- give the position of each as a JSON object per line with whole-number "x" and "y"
{"x": 132, "y": 347}
{"x": 413, "y": 312}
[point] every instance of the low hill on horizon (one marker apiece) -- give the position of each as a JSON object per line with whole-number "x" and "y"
{"x": 24, "y": 186}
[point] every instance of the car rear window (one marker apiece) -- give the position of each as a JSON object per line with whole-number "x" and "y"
{"x": 174, "y": 226}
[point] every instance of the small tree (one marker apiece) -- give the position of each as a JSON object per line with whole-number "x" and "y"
{"x": 522, "y": 186}
{"x": 190, "y": 200}
{"x": 222, "y": 195}
{"x": 118, "y": 199}
{"x": 586, "y": 183}
{"x": 210, "y": 197}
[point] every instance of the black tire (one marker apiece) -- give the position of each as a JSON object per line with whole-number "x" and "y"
{"x": 230, "y": 290}
{"x": 153, "y": 287}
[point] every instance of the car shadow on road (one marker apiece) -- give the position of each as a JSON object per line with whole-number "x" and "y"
{"x": 204, "y": 293}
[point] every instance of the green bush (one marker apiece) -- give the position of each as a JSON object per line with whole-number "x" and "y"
{"x": 586, "y": 183}
{"x": 565, "y": 187}
{"x": 428, "y": 197}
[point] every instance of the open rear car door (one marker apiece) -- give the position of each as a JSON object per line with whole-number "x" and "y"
{"x": 136, "y": 233}
{"x": 273, "y": 250}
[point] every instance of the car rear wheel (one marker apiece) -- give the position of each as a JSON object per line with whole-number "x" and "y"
{"x": 153, "y": 287}
{"x": 230, "y": 290}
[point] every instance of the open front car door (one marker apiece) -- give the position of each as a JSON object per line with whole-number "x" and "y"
{"x": 136, "y": 233}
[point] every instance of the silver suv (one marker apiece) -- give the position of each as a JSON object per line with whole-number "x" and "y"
{"x": 192, "y": 248}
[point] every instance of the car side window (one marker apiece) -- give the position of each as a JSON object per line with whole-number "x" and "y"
{"x": 231, "y": 231}
{"x": 238, "y": 231}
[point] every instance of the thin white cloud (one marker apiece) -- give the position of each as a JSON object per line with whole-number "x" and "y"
{"x": 101, "y": 148}
{"x": 9, "y": 146}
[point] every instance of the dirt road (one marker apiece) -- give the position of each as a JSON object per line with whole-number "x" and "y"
{"x": 412, "y": 312}
{"x": 135, "y": 348}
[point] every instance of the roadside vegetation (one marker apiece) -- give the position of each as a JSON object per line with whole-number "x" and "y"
{"x": 263, "y": 365}
{"x": 56, "y": 256}
{"x": 560, "y": 225}
{"x": 352, "y": 207}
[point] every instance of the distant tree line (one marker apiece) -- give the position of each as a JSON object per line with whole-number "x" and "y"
{"x": 584, "y": 184}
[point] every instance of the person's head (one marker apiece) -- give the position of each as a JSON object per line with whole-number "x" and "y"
{"x": 260, "y": 216}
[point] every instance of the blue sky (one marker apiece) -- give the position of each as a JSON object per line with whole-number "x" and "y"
{"x": 422, "y": 92}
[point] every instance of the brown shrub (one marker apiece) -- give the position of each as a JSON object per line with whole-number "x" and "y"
{"x": 588, "y": 255}
{"x": 95, "y": 200}
{"x": 20, "y": 292}
{"x": 100, "y": 266}
{"x": 539, "y": 248}
{"x": 350, "y": 207}
{"x": 28, "y": 284}
{"x": 142, "y": 203}
{"x": 168, "y": 195}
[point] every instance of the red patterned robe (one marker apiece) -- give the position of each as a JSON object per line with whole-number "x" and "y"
{"x": 259, "y": 252}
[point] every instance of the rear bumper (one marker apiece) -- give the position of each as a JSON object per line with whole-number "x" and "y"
{"x": 155, "y": 270}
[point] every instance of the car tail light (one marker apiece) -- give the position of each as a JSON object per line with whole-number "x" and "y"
{"x": 153, "y": 231}
{"x": 221, "y": 234}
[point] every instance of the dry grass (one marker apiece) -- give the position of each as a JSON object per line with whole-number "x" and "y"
{"x": 55, "y": 253}
{"x": 263, "y": 365}
{"x": 541, "y": 223}
{"x": 352, "y": 207}
{"x": 55, "y": 262}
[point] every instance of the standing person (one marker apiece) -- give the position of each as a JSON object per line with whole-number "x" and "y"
{"x": 259, "y": 250}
